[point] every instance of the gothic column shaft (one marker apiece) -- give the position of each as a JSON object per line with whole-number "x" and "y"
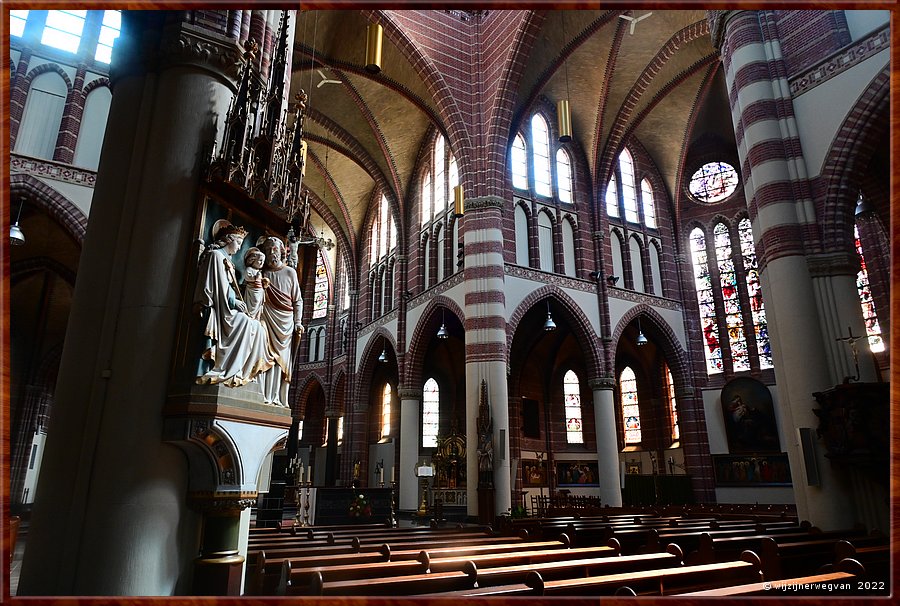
{"x": 607, "y": 442}
{"x": 409, "y": 449}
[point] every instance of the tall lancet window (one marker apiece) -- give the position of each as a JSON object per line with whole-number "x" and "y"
{"x": 572, "y": 396}
{"x": 626, "y": 168}
{"x": 754, "y": 291}
{"x": 320, "y": 289}
{"x": 631, "y": 412}
{"x": 873, "y": 329}
{"x": 386, "y": 411}
{"x": 706, "y": 300}
{"x": 431, "y": 413}
{"x": 540, "y": 137}
{"x": 564, "y": 175}
{"x": 519, "y": 162}
{"x": 673, "y": 406}
{"x": 728, "y": 282}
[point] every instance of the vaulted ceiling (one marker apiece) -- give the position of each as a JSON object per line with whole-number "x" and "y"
{"x": 660, "y": 84}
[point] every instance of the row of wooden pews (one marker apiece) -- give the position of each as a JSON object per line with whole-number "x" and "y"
{"x": 648, "y": 553}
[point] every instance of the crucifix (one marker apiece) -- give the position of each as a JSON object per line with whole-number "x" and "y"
{"x": 851, "y": 341}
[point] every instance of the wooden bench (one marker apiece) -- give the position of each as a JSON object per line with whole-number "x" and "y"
{"x": 470, "y": 550}
{"x": 523, "y": 558}
{"x": 653, "y": 582}
{"x": 790, "y": 558}
{"x": 839, "y": 582}
{"x": 873, "y": 552}
{"x": 433, "y": 582}
{"x": 720, "y": 549}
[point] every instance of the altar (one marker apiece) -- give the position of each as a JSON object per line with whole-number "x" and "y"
{"x": 334, "y": 506}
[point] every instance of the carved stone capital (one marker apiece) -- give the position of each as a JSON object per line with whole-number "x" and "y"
{"x": 602, "y": 383}
{"x": 409, "y": 394}
{"x": 220, "y": 503}
{"x": 832, "y": 264}
{"x": 216, "y": 54}
{"x": 484, "y": 202}
{"x": 599, "y": 236}
{"x": 718, "y": 21}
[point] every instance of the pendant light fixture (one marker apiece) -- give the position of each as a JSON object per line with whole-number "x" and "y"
{"x": 383, "y": 357}
{"x": 641, "y": 339}
{"x": 458, "y": 201}
{"x": 563, "y": 113}
{"x": 549, "y": 324}
{"x": 374, "y": 34}
{"x": 442, "y": 331}
{"x": 16, "y": 235}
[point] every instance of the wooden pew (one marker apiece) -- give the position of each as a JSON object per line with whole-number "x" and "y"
{"x": 434, "y": 582}
{"x": 653, "y": 582}
{"x": 720, "y": 549}
{"x": 789, "y": 558}
{"x": 472, "y": 550}
{"x": 873, "y": 552}
{"x": 838, "y": 582}
{"x": 689, "y": 540}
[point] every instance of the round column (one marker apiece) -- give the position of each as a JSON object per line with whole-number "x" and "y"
{"x": 607, "y": 441}
{"x": 410, "y": 400}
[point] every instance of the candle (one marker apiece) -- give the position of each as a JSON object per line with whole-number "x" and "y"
{"x": 381, "y": 475}
{"x": 392, "y": 473}
{"x": 301, "y": 474}
{"x": 309, "y": 474}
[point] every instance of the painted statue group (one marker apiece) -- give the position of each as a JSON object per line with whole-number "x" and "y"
{"x": 249, "y": 334}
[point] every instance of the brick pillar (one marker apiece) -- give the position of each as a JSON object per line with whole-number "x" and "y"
{"x": 71, "y": 120}
{"x": 784, "y": 224}
{"x": 485, "y": 326}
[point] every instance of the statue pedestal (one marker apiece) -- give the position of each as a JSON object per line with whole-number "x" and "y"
{"x": 486, "y": 505}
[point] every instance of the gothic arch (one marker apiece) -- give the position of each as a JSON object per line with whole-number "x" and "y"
{"x": 305, "y": 389}
{"x": 366, "y": 368}
{"x": 415, "y": 355}
{"x": 581, "y": 325}
{"x": 659, "y": 331}
{"x": 54, "y": 204}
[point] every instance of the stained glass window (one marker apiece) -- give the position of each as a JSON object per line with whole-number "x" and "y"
{"x": 386, "y": 411}
{"x": 713, "y": 182}
{"x": 564, "y": 175}
{"x": 754, "y": 291}
{"x": 703, "y": 284}
{"x": 728, "y": 282}
{"x": 647, "y": 202}
{"x": 63, "y": 29}
{"x": 431, "y": 410}
{"x": 109, "y": 31}
{"x": 631, "y": 412}
{"x": 673, "y": 406}
{"x": 612, "y": 198}
{"x": 440, "y": 185}
{"x": 340, "y": 430}
{"x": 17, "y": 21}
{"x": 572, "y": 396}
{"x": 320, "y": 290}
{"x": 383, "y": 236}
{"x": 540, "y": 137}
{"x": 873, "y": 329}
{"x": 626, "y": 167}
{"x": 519, "y": 161}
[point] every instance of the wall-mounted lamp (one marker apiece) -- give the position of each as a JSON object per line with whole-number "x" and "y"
{"x": 16, "y": 235}
{"x": 549, "y": 324}
{"x": 612, "y": 280}
{"x": 374, "y": 33}
{"x": 459, "y": 202}
{"x": 595, "y": 275}
{"x": 641, "y": 339}
{"x": 442, "y": 331}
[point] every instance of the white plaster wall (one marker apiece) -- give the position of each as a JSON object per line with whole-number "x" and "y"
{"x": 91, "y": 76}
{"x": 361, "y": 344}
{"x": 518, "y": 288}
{"x": 79, "y": 195}
{"x": 414, "y": 313}
{"x": 861, "y": 23}
{"x": 253, "y": 443}
{"x": 381, "y": 452}
{"x": 821, "y": 111}
{"x": 37, "y": 61}
{"x": 672, "y": 317}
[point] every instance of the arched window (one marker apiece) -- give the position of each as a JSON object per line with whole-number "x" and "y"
{"x": 440, "y": 184}
{"x": 754, "y": 291}
{"x": 320, "y": 289}
{"x": 521, "y": 236}
{"x": 631, "y": 412}
{"x": 383, "y": 248}
{"x": 42, "y": 116}
{"x": 386, "y": 411}
{"x": 728, "y": 282}
{"x": 109, "y": 31}
{"x": 93, "y": 126}
{"x": 345, "y": 288}
{"x": 519, "y": 163}
{"x": 540, "y": 138}
{"x": 545, "y": 241}
{"x": 655, "y": 273}
{"x": 612, "y": 198}
{"x": 873, "y": 328}
{"x": 440, "y": 253}
{"x": 456, "y": 259}
{"x": 313, "y": 345}
{"x": 572, "y": 398}
{"x": 703, "y": 284}
{"x": 618, "y": 258}
{"x": 568, "y": 246}
{"x": 320, "y": 355}
{"x": 426, "y": 199}
{"x": 673, "y": 406}
{"x": 431, "y": 410}
{"x": 63, "y": 29}
{"x": 626, "y": 168}
{"x": 340, "y": 429}
{"x": 647, "y": 201}
{"x": 374, "y": 243}
{"x": 564, "y": 175}
{"x": 427, "y": 265}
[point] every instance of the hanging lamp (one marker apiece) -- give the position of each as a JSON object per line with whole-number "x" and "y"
{"x": 563, "y": 112}
{"x": 549, "y": 324}
{"x": 16, "y": 235}
{"x": 442, "y": 331}
{"x": 641, "y": 339}
{"x": 458, "y": 201}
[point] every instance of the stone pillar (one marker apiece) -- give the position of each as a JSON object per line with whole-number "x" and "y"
{"x": 485, "y": 326}
{"x": 219, "y": 568}
{"x": 110, "y": 516}
{"x": 607, "y": 441}
{"x": 410, "y": 400}
{"x": 783, "y": 215}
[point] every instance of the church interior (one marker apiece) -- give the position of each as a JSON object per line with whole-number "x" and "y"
{"x": 379, "y": 302}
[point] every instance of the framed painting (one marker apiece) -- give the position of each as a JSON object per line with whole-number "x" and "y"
{"x": 577, "y": 473}
{"x": 534, "y": 472}
{"x": 752, "y": 470}
{"x": 749, "y": 417}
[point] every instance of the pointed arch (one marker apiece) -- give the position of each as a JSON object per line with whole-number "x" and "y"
{"x": 425, "y": 329}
